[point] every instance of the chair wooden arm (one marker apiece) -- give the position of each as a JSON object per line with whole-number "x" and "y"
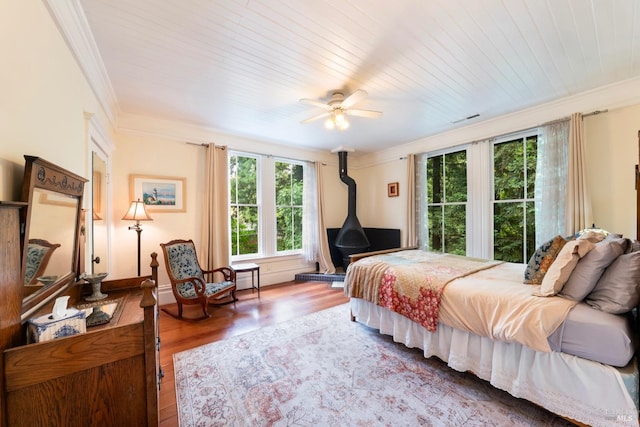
{"x": 199, "y": 285}
{"x": 228, "y": 273}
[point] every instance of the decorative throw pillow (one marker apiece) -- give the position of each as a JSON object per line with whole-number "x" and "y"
{"x": 562, "y": 267}
{"x": 589, "y": 269}
{"x": 542, "y": 259}
{"x": 617, "y": 290}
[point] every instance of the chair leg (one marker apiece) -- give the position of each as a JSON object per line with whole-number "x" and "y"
{"x": 204, "y": 309}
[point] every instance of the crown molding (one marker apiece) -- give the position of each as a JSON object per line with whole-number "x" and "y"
{"x": 74, "y": 27}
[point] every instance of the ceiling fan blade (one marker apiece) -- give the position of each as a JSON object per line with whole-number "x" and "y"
{"x": 314, "y": 103}
{"x": 354, "y": 98}
{"x": 365, "y": 113}
{"x": 316, "y": 117}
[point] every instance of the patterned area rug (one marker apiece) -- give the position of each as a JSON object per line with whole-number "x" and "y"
{"x": 324, "y": 370}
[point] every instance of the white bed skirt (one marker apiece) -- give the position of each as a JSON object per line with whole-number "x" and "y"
{"x": 566, "y": 385}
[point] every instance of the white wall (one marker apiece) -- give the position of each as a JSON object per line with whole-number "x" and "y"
{"x": 43, "y": 96}
{"x": 162, "y": 150}
{"x": 611, "y": 155}
{"x": 375, "y": 208}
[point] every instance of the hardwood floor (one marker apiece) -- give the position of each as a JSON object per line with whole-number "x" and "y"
{"x": 277, "y": 303}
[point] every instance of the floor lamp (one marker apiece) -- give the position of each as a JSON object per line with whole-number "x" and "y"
{"x": 137, "y": 213}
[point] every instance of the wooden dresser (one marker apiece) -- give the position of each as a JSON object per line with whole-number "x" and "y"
{"x": 108, "y": 376}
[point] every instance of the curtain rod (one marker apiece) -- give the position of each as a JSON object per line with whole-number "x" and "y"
{"x": 493, "y": 138}
{"x": 593, "y": 113}
{"x": 202, "y": 144}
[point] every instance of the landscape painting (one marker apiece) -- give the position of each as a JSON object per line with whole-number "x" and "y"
{"x": 159, "y": 194}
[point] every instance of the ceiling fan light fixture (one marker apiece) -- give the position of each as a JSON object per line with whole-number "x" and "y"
{"x": 337, "y": 120}
{"x": 329, "y": 124}
{"x": 337, "y": 108}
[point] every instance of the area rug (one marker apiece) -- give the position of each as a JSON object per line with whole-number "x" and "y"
{"x": 324, "y": 370}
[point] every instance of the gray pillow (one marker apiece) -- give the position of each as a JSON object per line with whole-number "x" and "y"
{"x": 589, "y": 269}
{"x": 617, "y": 290}
{"x": 634, "y": 246}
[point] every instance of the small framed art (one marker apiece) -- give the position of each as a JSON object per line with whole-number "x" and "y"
{"x": 159, "y": 193}
{"x": 393, "y": 190}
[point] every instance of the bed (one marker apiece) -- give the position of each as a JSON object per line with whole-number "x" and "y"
{"x": 564, "y": 341}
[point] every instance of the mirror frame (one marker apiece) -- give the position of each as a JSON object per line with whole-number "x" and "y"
{"x": 39, "y": 173}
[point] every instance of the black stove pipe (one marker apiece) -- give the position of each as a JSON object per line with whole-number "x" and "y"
{"x": 351, "y": 183}
{"x": 351, "y": 238}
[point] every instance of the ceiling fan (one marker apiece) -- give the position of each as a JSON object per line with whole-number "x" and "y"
{"x": 338, "y": 107}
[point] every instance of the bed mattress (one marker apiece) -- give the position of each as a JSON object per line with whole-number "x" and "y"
{"x": 585, "y": 331}
{"x": 595, "y": 335}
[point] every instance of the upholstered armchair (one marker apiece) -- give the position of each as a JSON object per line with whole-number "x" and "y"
{"x": 188, "y": 280}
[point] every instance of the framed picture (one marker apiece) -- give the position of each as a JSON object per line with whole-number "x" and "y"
{"x": 393, "y": 190}
{"x": 159, "y": 193}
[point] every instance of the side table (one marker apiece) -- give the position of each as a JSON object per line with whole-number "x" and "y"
{"x": 249, "y": 267}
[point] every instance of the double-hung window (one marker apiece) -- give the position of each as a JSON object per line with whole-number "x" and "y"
{"x": 479, "y": 200}
{"x": 244, "y": 207}
{"x": 446, "y": 176}
{"x": 266, "y": 207}
{"x": 514, "y": 172}
{"x": 289, "y": 188}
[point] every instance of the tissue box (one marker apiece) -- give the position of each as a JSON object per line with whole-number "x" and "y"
{"x": 45, "y": 328}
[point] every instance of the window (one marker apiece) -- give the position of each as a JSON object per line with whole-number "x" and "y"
{"x": 447, "y": 202}
{"x": 288, "y": 206}
{"x": 514, "y": 164}
{"x": 244, "y": 208}
{"x": 266, "y": 209}
{"x": 479, "y": 200}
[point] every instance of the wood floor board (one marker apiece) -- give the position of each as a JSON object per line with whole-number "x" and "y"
{"x": 277, "y": 303}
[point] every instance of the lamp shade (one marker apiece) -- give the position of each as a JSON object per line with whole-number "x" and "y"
{"x": 137, "y": 212}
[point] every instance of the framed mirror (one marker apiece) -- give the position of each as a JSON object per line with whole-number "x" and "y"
{"x": 99, "y": 215}
{"x": 52, "y": 221}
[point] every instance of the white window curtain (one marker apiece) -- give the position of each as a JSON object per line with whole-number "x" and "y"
{"x": 578, "y": 215}
{"x": 410, "y": 238}
{"x": 310, "y": 213}
{"x": 215, "y": 251}
{"x": 315, "y": 242}
{"x": 421, "y": 217}
{"x": 551, "y": 180}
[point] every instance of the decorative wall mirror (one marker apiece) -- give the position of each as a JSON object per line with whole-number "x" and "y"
{"x": 52, "y": 220}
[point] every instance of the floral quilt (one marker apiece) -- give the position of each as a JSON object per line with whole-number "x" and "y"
{"x": 409, "y": 282}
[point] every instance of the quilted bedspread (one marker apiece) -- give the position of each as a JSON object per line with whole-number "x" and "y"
{"x": 410, "y": 282}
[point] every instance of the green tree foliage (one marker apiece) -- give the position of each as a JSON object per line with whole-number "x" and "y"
{"x": 289, "y": 194}
{"x": 243, "y": 184}
{"x": 514, "y": 211}
{"x": 446, "y": 198}
{"x": 243, "y": 193}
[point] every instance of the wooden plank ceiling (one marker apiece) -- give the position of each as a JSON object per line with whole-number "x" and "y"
{"x": 241, "y": 66}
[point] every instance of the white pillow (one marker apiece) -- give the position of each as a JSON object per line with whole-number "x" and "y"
{"x": 561, "y": 269}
